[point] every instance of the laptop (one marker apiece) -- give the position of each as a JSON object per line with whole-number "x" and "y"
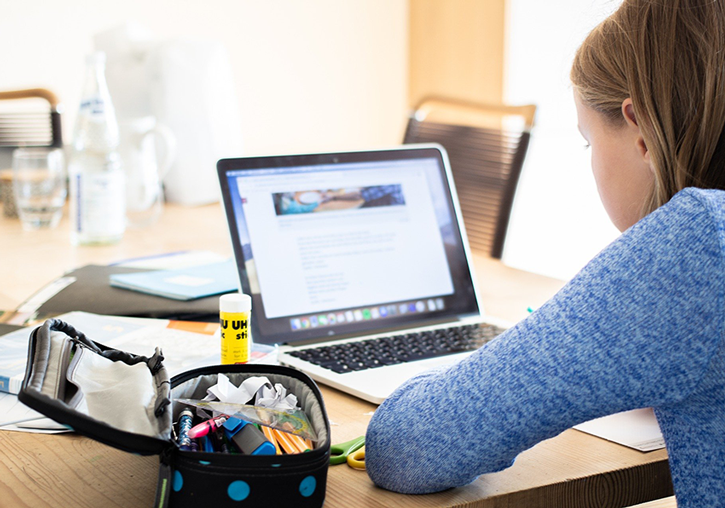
{"x": 357, "y": 263}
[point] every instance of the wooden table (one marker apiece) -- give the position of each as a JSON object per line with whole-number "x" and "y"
{"x": 570, "y": 470}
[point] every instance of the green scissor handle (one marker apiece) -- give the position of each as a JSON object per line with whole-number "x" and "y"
{"x": 339, "y": 452}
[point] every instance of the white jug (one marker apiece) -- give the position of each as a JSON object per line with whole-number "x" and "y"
{"x": 188, "y": 85}
{"x": 140, "y": 140}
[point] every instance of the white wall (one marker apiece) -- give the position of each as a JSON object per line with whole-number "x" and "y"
{"x": 558, "y": 222}
{"x": 309, "y": 75}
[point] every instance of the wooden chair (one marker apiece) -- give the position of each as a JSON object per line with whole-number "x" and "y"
{"x": 486, "y": 145}
{"x": 29, "y": 118}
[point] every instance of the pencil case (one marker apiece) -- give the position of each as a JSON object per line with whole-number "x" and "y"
{"x": 128, "y": 401}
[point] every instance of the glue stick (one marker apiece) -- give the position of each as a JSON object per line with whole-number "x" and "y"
{"x": 234, "y": 315}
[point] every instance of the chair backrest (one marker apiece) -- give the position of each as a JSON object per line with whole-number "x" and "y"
{"x": 29, "y": 118}
{"x": 486, "y": 145}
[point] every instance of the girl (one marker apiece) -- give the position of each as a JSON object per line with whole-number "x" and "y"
{"x": 642, "y": 324}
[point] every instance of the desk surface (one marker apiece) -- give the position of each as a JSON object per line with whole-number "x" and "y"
{"x": 572, "y": 469}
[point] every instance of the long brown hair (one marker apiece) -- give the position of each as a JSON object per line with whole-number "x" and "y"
{"x": 669, "y": 57}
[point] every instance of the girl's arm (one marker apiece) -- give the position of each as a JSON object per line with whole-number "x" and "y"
{"x": 637, "y": 327}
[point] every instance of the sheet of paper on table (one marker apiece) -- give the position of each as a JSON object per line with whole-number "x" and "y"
{"x": 183, "y": 350}
{"x": 636, "y": 429}
{"x": 17, "y": 416}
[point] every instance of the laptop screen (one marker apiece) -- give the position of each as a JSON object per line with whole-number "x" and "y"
{"x": 337, "y": 245}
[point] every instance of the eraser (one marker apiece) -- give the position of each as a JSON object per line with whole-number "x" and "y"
{"x": 251, "y": 441}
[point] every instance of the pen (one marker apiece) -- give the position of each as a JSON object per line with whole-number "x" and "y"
{"x": 284, "y": 443}
{"x": 302, "y": 444}
{"x": 290, "y": 443}
{"x": 185, "y": 419}
{"x": 270, "y": 437}
{"x": 208, "y": 426}
{"x": 206, "y": 444}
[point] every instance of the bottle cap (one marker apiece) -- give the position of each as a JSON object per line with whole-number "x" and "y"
{"x": 235, "y": 302}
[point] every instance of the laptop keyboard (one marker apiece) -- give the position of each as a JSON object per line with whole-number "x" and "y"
{"x": 372, "y": 353}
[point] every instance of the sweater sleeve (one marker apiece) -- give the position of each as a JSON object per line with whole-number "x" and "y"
{"x": 637, "y": 327}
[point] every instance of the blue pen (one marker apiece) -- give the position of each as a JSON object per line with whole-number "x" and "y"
{"x": 207, "y": 444}
{"x": 185, "y": 420}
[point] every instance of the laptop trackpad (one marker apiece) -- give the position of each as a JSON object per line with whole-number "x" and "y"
{"x": 375, "y": 385}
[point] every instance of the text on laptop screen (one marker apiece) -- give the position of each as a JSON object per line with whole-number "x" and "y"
{"x": 341, "y": 248}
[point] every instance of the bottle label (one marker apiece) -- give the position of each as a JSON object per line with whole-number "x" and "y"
{"x": 93, "y": 106}
{"x": 99, "y": 204}
{"x": 235, "y": 337}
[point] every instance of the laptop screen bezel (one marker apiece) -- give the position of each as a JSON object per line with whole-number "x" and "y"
{"x": 468, "y": 282}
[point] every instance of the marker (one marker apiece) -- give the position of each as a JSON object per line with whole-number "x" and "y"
{"x": 248, "y": 438}
{"x": 207, "y": 445}
{"x": 208, "y": 426}
{"x": 251, "y": 441}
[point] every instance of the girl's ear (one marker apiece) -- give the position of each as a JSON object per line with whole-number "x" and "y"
{"x": 633, "y": 125}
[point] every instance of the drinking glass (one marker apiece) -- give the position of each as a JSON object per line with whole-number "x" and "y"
{"x": 39, "y": 186}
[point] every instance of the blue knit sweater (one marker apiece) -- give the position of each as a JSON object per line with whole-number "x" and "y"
{"x": 641, "y": 325}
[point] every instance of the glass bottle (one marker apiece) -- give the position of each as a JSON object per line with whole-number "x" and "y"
{"x": 97, "y": 180}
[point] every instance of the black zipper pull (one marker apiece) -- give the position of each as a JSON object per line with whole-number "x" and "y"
{"x": 156, "y": 361}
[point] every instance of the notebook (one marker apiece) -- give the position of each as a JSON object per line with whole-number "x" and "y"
{"x": 181, "y": 284}
{"x": 357, "y": 263}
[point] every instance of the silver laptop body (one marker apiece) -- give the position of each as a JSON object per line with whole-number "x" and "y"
{"x": 342, "y": 251}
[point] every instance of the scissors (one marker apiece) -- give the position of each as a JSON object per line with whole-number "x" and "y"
{"x": 352, "y": 452}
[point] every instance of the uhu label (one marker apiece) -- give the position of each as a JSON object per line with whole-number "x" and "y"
{"x": 235, "y": 337}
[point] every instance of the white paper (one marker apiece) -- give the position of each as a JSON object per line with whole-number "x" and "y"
{"x": 256, "y": 387}
{"x": 636, "y": 429}
{"x": 182, "y": 350}
{"x": 225, "y": 391}
{"x": 276, "y": 398}
{"x": 174, "y": 260}
{"x": 24, "y": 418}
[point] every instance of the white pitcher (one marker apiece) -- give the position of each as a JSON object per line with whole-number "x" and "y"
{"x": 145, "y": 169}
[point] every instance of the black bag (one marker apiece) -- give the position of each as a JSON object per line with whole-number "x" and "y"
{"x": 127, "y": 401}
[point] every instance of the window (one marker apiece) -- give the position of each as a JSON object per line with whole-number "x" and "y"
{"x": 558, "y": 223}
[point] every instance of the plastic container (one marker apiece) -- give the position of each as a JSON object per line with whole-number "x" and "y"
{"x": 234, "y": 314}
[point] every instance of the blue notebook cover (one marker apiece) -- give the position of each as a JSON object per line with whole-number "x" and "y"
{"x": 182, "y": 284}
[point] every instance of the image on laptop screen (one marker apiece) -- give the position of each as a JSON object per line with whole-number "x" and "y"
{"x": 336, "y": 245}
